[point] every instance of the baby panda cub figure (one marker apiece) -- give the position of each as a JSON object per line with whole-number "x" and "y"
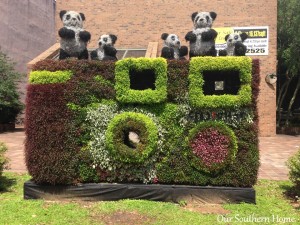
{"x": 172, "y": 47}
{"x": 235, "y": 46}
{"x": 106, "y": 49}
{"x": 74, "y": 38}
{"x": 202, "y": 37}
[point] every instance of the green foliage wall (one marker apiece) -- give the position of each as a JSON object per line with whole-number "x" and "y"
{"x": 198, "y": 65}
{"x": 78, "y": 129}
{"x": 3, "y": 159}
{"x": 10, "y": 104}
{"x": 127, "y": 95}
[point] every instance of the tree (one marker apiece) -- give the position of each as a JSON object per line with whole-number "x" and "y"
{"x": 288, "y": 51}
{"x": 10, "y": 104}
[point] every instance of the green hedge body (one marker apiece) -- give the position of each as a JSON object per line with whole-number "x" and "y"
{"x": 48, "y": 77}
{"x": 223, "y": 130}
{"x": 3, "y": 158}
{"x": 10, "y": 104}
{"x": 294, "y": 169}
{"x": 148, "y": 96}
{"x": 120, "y": 126}
{"x": 74, "y": 129}
{"x": 51, "y": 153}
{"x": 198, "y": 65}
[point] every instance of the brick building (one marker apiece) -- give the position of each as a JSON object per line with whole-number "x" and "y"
{"x": 136, "y": 23}
{"x": 27, "y": 28}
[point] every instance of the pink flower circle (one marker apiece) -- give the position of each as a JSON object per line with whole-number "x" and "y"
{"x": 210, "y": 146}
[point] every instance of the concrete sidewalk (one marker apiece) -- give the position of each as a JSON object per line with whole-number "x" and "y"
{"x": 274, "y": 152}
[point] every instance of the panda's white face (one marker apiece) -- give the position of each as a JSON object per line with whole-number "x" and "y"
{"x": 105, "y": 40}
{"x": 233, "y": 38}
{"x": 202, "y": 20}
{"x": 172, "y": 41}
{"x": 72, "y": 19}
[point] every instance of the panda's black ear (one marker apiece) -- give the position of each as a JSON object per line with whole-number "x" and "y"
{"x": 113, "y": 38}
{"x": 194, "y": 15}
{"x": 164, "y": 36}
{"x": 244, "y": 36}
{"x": 62, "y": 13}
{"x": 226, "y": 37}
{"x": 213, "y": 15}
{"x": 82, "y": 16}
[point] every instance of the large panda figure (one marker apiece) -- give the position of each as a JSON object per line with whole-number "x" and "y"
{"x": 235, "y": 46}
{"x": 202, "y": 37}
{"x": 106, "y": 49}
{"x": 172, "y": 48}
{"x": 74, "y": 38}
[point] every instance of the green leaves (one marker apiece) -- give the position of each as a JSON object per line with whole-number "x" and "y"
{"x": 288, "y": 36}
{"x": 200, "y": 64}
{"x": 119, "y": 128}
{"x": 208, "y": 140}
{"x": 3, "y": 159}
{"x": 125, "y": 94}
{"x": 294, "y": 166}
{"x": 10, "y": 104}
{"x": 48, "y": 77}
{"x": 99, "y": 123}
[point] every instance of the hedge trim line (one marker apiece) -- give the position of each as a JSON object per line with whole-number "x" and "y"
{"x": 126, "y": 95}
{"x": 131, "y": 121}
{"x": 200, "y": 64}
{"x": 232, "y": 147}
{"x": 48, "y": 77}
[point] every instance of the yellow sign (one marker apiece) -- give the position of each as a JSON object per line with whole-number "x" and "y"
{"x": 257, "y": 42}
{"x": 222, "y": 32}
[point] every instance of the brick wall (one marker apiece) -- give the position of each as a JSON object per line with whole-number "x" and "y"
{"x": 136, "y": 23}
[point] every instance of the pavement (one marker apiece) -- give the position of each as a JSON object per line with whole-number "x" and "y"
{"x": 274, "y": 152}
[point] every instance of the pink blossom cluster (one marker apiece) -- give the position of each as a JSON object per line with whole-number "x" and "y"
{"x": 210, "y": 146}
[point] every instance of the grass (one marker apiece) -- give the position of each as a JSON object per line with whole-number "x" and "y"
{"x": 271, "y": 208}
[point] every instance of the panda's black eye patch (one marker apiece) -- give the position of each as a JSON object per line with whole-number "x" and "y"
{"x": 68, "y": 17}
{"x": 173, "y": 38}
{"x": 207, "y": 18}
{"x": 197, "y": 17}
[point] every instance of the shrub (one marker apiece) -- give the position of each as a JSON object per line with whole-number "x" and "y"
{"x": 199, "y": 65}
{"x": 242, "y": 172}
{"x": 3, "y": 159}
{"x": 117, "y": 137}
{"x": 86, "y": 169}
{"x": 213, "y": 145}
{"x": 48, "y": 77}
{"x": 109, "y": 165}
{"x": 51, "y": 150}
{"x": 294, "y": 167}
{"x": 67, "y": 125}
{"x": 255, "y": 87}
{"x": 10, "y": 104}
{"x": 149, "y": 93}
{"x": 178, "y": 83}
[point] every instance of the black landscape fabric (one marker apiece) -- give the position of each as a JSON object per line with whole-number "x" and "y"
{"x": 154, "y": 192}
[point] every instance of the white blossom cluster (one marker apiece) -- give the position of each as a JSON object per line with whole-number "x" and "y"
{"x": 98, "y": 120}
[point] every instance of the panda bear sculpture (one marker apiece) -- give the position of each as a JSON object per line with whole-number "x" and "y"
{"x": 235, "y": 46}
{"x": 202, "y": 37}
{"x": 74, "y": 38}
{"x": 106, "y": 50}
{"x": 172, "y": 48}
